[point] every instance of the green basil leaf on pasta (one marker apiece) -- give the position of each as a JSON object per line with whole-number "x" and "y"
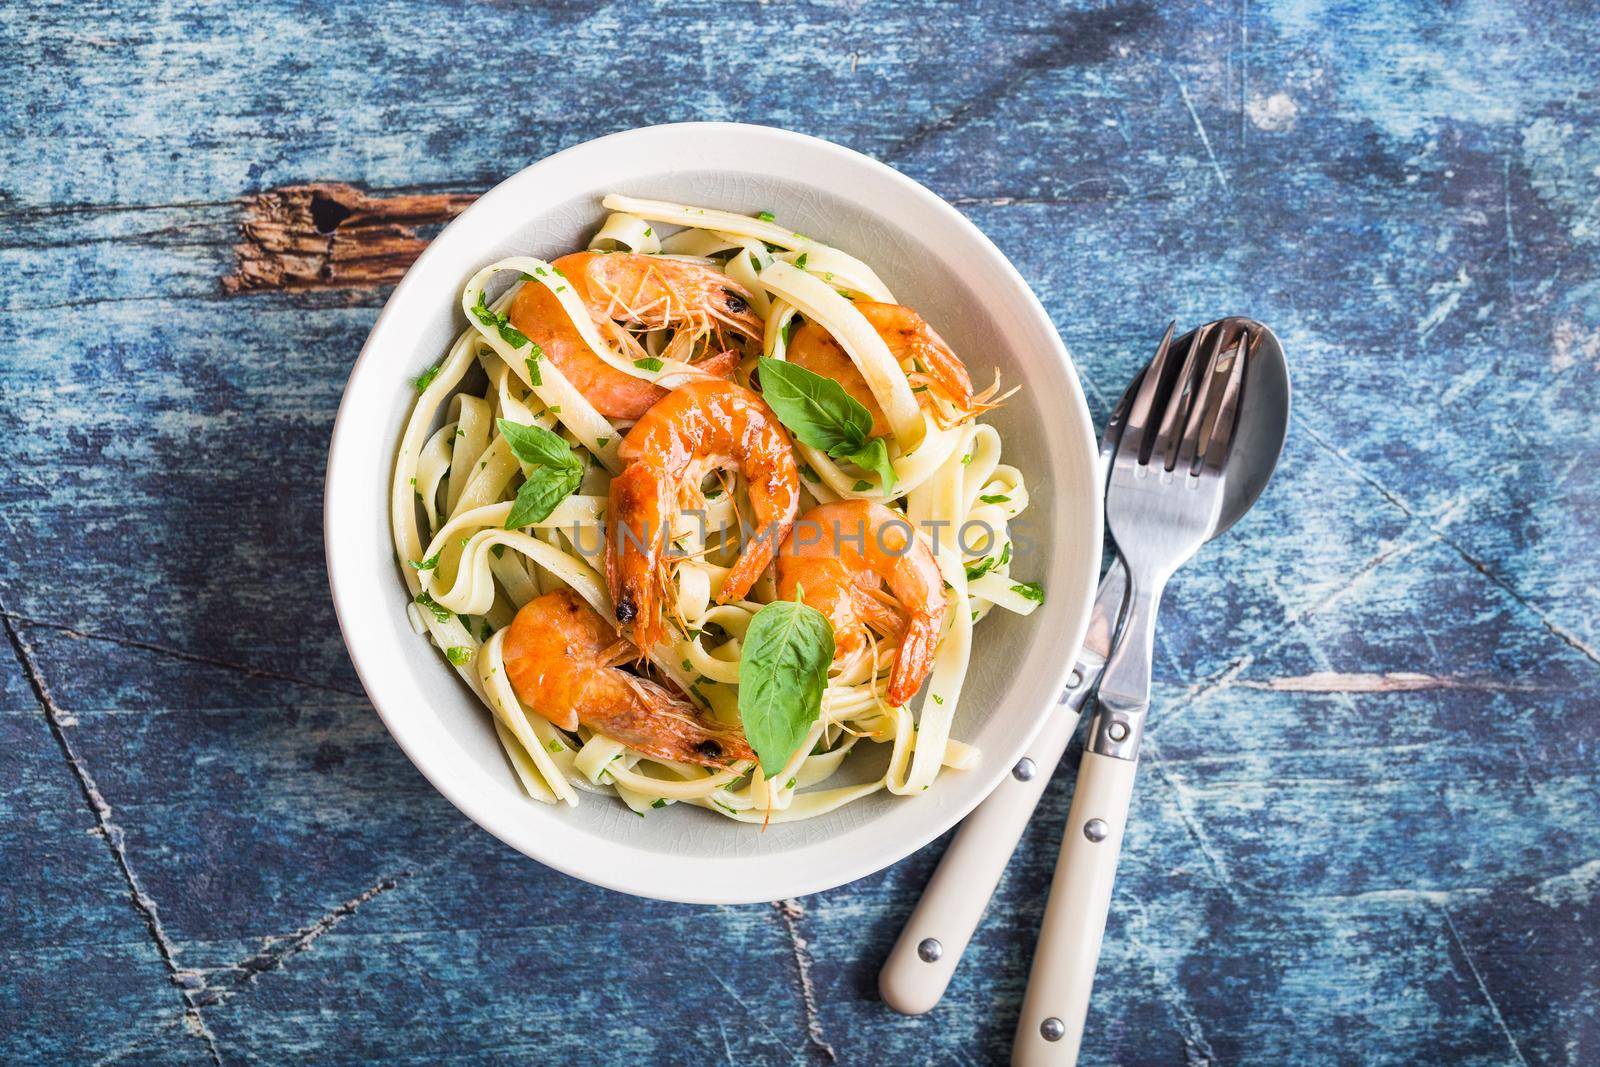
{"x": 535, "y": 444}
{"x": 815, "y": 409}
{"x": 556, "y": 474}
{"x": 872, "y": 456}
{"x": 544, "y": 490}
{"x": 783, "y": 670}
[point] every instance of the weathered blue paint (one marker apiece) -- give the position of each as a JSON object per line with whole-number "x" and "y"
{"x": 211, "y": 850}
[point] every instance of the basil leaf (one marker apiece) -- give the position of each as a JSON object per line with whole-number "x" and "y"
{"x": 557, "y": 472}
{"x": 872, "y": 456}
{"x": 816, "y": 410}
{"x": 783, "y": 670}
{"x": 535, "y": 444}
{"x": 545, "y": 488}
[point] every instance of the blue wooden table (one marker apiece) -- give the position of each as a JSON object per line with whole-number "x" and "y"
{"x": 1367, "y": 828}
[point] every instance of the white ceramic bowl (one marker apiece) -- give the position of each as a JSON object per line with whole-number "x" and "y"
{"x": 935, "y": 261}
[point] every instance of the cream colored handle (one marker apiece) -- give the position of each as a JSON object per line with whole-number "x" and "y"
{"x": 959, "y": 891}
{"x": 1075, "y": 917}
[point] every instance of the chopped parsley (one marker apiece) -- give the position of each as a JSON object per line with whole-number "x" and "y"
{"x": 425, "y": 379}
{"x": 995, "y": 498}
{"x": 649, "y": 363}
{"x": 765, "y": 216}
{"x": 499, "y": 551}
{"x": 659, "y": 802}
{"x": 458, "y": 655}
{"x": 440, "y": 612}
{"x": 714, "y": 492}
{"x": 808, "y": 474}
{"x": 966, "y": 460}
{"x": 1030, "y": 590}
{"x": 861, "y": 486}
{"x": 979, "y": 570}
{"x": 800, "y": 261}
{"x": 1005, "y": 554}
{"x": 555, "y": 746}
{"x": 497, "y": 321}
{"x": 649, "y": 231}
{"x": 427, "y": 564}
{"x": 535, "y": 378}
{"x": 602, "y": 441}
{"x": 937, "y": 699}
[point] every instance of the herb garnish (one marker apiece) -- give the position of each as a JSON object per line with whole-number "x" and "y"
{"x": 427, "y": 564}
{"x": 499, "y": 322}
{"x": 425, "y": 379}
{"x": 458, "y": 655}
{"x": 649, "y": 363}
{"x": 821, "y": 414}
{"x": 1030, "y": 590}
{"x": 783, "y": 670}
{"x": 556, "y": 474}
{"x": 440, "y": 612}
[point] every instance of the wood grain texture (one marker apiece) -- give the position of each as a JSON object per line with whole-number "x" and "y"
{"x": 1367, "y": 832}
{"x": 328, "y": 235}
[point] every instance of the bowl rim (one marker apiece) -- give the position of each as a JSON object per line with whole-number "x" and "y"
{"x": 495, "y": 818}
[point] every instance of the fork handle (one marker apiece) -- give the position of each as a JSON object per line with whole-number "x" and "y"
{"x": 1050, "y": 1029}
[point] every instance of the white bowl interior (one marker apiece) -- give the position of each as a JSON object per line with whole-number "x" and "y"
{"x": 934, "y": 261}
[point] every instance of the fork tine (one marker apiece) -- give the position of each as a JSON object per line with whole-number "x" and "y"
{"x": 1169, "y": 434}
{"x": 1202, "y": 413}
{"x": 1138, "y": 418}
{"x": 1205, "y": 399}
{"x": 1220, "y": 438}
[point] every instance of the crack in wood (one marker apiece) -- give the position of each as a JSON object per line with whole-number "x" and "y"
{"x": 328, "y": 235}
{"x": 1391, "y": 682}
{"x": 276, "y": 951}
{"x": 791, "y": 911}
{"x": 178, "y": 653}
{"x": 1572, "y": 640}
{"x": 111, "y": 833}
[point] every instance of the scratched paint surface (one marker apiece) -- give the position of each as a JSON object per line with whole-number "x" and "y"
{"x": 1366, "y": 828}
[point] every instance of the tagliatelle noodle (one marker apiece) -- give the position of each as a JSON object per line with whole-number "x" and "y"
{"x": 455, "y": 475}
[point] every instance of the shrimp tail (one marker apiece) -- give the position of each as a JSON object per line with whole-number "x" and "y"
{"x": 914, "y": 660}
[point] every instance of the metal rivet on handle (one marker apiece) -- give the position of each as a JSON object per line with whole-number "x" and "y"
{"x": 1052, "y": 1029}
{"x": 930, "y": 949}
{"x": 1075, "y": 679}
{"x": 1024, "y": 770}
{"x": 1118, "y": 731}
{"x": 1095, "y": 829}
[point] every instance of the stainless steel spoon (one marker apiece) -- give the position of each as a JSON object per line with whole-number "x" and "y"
{"x": 919, "y": 967}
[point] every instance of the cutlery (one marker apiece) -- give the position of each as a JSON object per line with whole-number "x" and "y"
{"x": 1164, "y": 498}
{"x": 923, "y": 960}
{"x": 919, "y": 967}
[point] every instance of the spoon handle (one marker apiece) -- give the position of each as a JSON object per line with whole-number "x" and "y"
{"x": 922, "y": 962}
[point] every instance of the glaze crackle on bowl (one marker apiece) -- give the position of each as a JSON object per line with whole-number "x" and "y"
{"x": 935, "y": 261}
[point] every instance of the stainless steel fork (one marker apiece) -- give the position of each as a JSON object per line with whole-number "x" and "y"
{"x": 1163, "y": 499}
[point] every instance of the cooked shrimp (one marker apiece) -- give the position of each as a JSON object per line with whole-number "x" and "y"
{"x": 620, "y": 290}
{"x": 837, "y": 560}
{"x": 703, "y": 426}
{"x": 928, "y": 362}
{"x": 561, "y": 657}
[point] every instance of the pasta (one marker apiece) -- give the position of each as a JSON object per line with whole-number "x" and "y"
{"x": 506, "y": 497}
